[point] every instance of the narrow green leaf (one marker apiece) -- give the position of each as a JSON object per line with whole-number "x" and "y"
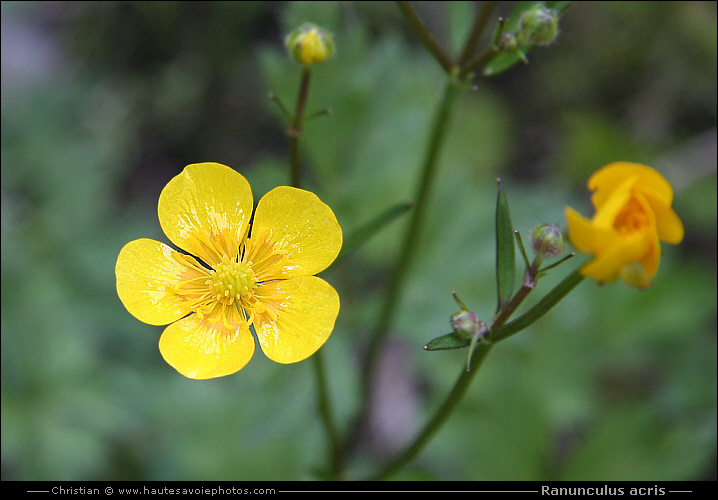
{"x": 505, "y": 60}
{"x": 542, "y": 307}
{"x": 449, "y": 341}
{"x": 365, "y": 232}
{"x": 505, "y": 250}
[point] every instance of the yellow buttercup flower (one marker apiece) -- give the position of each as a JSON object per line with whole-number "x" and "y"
{"x": 633, "y": 213}
{"x": 236, "y": 276}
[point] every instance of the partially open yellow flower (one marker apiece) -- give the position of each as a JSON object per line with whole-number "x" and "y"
{"x": 235, "y": 277}
{"x": 633, "y": 212}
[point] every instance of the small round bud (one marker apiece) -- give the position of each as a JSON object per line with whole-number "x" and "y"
{"x": 538, "y": 26}
{"x": 547, "y": 241}
{"x": 506, "y": 42}
{"x": 465, "y": 324}
{"x": 310, "y": 44}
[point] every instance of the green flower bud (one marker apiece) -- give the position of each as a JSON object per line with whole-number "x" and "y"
{"x": 310, "y": 44}
{"x": 538, "y": 26}
{"x": 548, "y": 241}
{"x": 506, "y": 42}
{"x": 465, "y": 324}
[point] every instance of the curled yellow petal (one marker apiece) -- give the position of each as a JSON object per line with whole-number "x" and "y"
{"x": 612, "y": 203}
{"x": 301, "y": 226}
{"x": 200, "y": 349}
{"x": 147, "y": 272}
{"x": 304, "y": 320}
{"x": 668, "y": 224}
{"x": 651, "y": 259}
{"x": 605, "y": 181}
{"x": 205, "y": 210}
{"x": 587, "y": 237}
{"x": 607, "y": 266}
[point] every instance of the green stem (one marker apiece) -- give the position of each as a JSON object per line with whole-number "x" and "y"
{"x": 478, "y": 29}
{"x": 480, "y": 60}
{"x": 335, "y": 451}
{"x": 542, "y": 307}
{"x": 529, "y": 283}
{"x": 426, "y": 37}
{"x": 368, "y": 230}
{"x": 295, "y": 129}
{"x": 294, "y": 132}
{"x": 499, "y": 332}
{"x": 396, "y": 285}
{"x": 447, "y": 407}
{"x": 421, "y": 198}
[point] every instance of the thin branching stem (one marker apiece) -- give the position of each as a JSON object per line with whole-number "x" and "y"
{"x": 426, "y": 37}
{"x": 500, "y": 330}
{"x": 480, "y": 60}
{"x": 482, "y": 19}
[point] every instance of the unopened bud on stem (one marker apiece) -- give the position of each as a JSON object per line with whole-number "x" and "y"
{"x": 538, "y": 26}
{"x": 310, "y": 44}
{"x": 465, "y": 324}
{"x": 547, "y": 241}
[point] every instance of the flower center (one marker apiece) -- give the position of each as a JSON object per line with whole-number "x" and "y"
{"x": 632, "y": 218}
{"x": 232, "y": 280}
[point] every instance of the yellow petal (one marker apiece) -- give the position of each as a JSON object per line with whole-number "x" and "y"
{"x": 200, "y": 349}
{"x": 668, "y": 224}
{"x": 610, "y": 204}
{"x": 205, "y": 210}
{"x": 651, "y": 259}
{"x": 146, "y": 274}
{"x": 300, "y": 224}
{"x": 607, "y": 266}
{"x": 606, "y": 179}
{"x": 304, "y": 321}
{"x": 585, "y": 236}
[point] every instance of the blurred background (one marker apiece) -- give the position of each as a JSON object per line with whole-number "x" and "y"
{"x": 104, "y": 102}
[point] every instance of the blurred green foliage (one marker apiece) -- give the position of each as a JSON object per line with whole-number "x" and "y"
{"x": 103, "y": 102}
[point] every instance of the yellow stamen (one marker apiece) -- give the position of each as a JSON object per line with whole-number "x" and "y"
{"x": 228, "y": 294}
